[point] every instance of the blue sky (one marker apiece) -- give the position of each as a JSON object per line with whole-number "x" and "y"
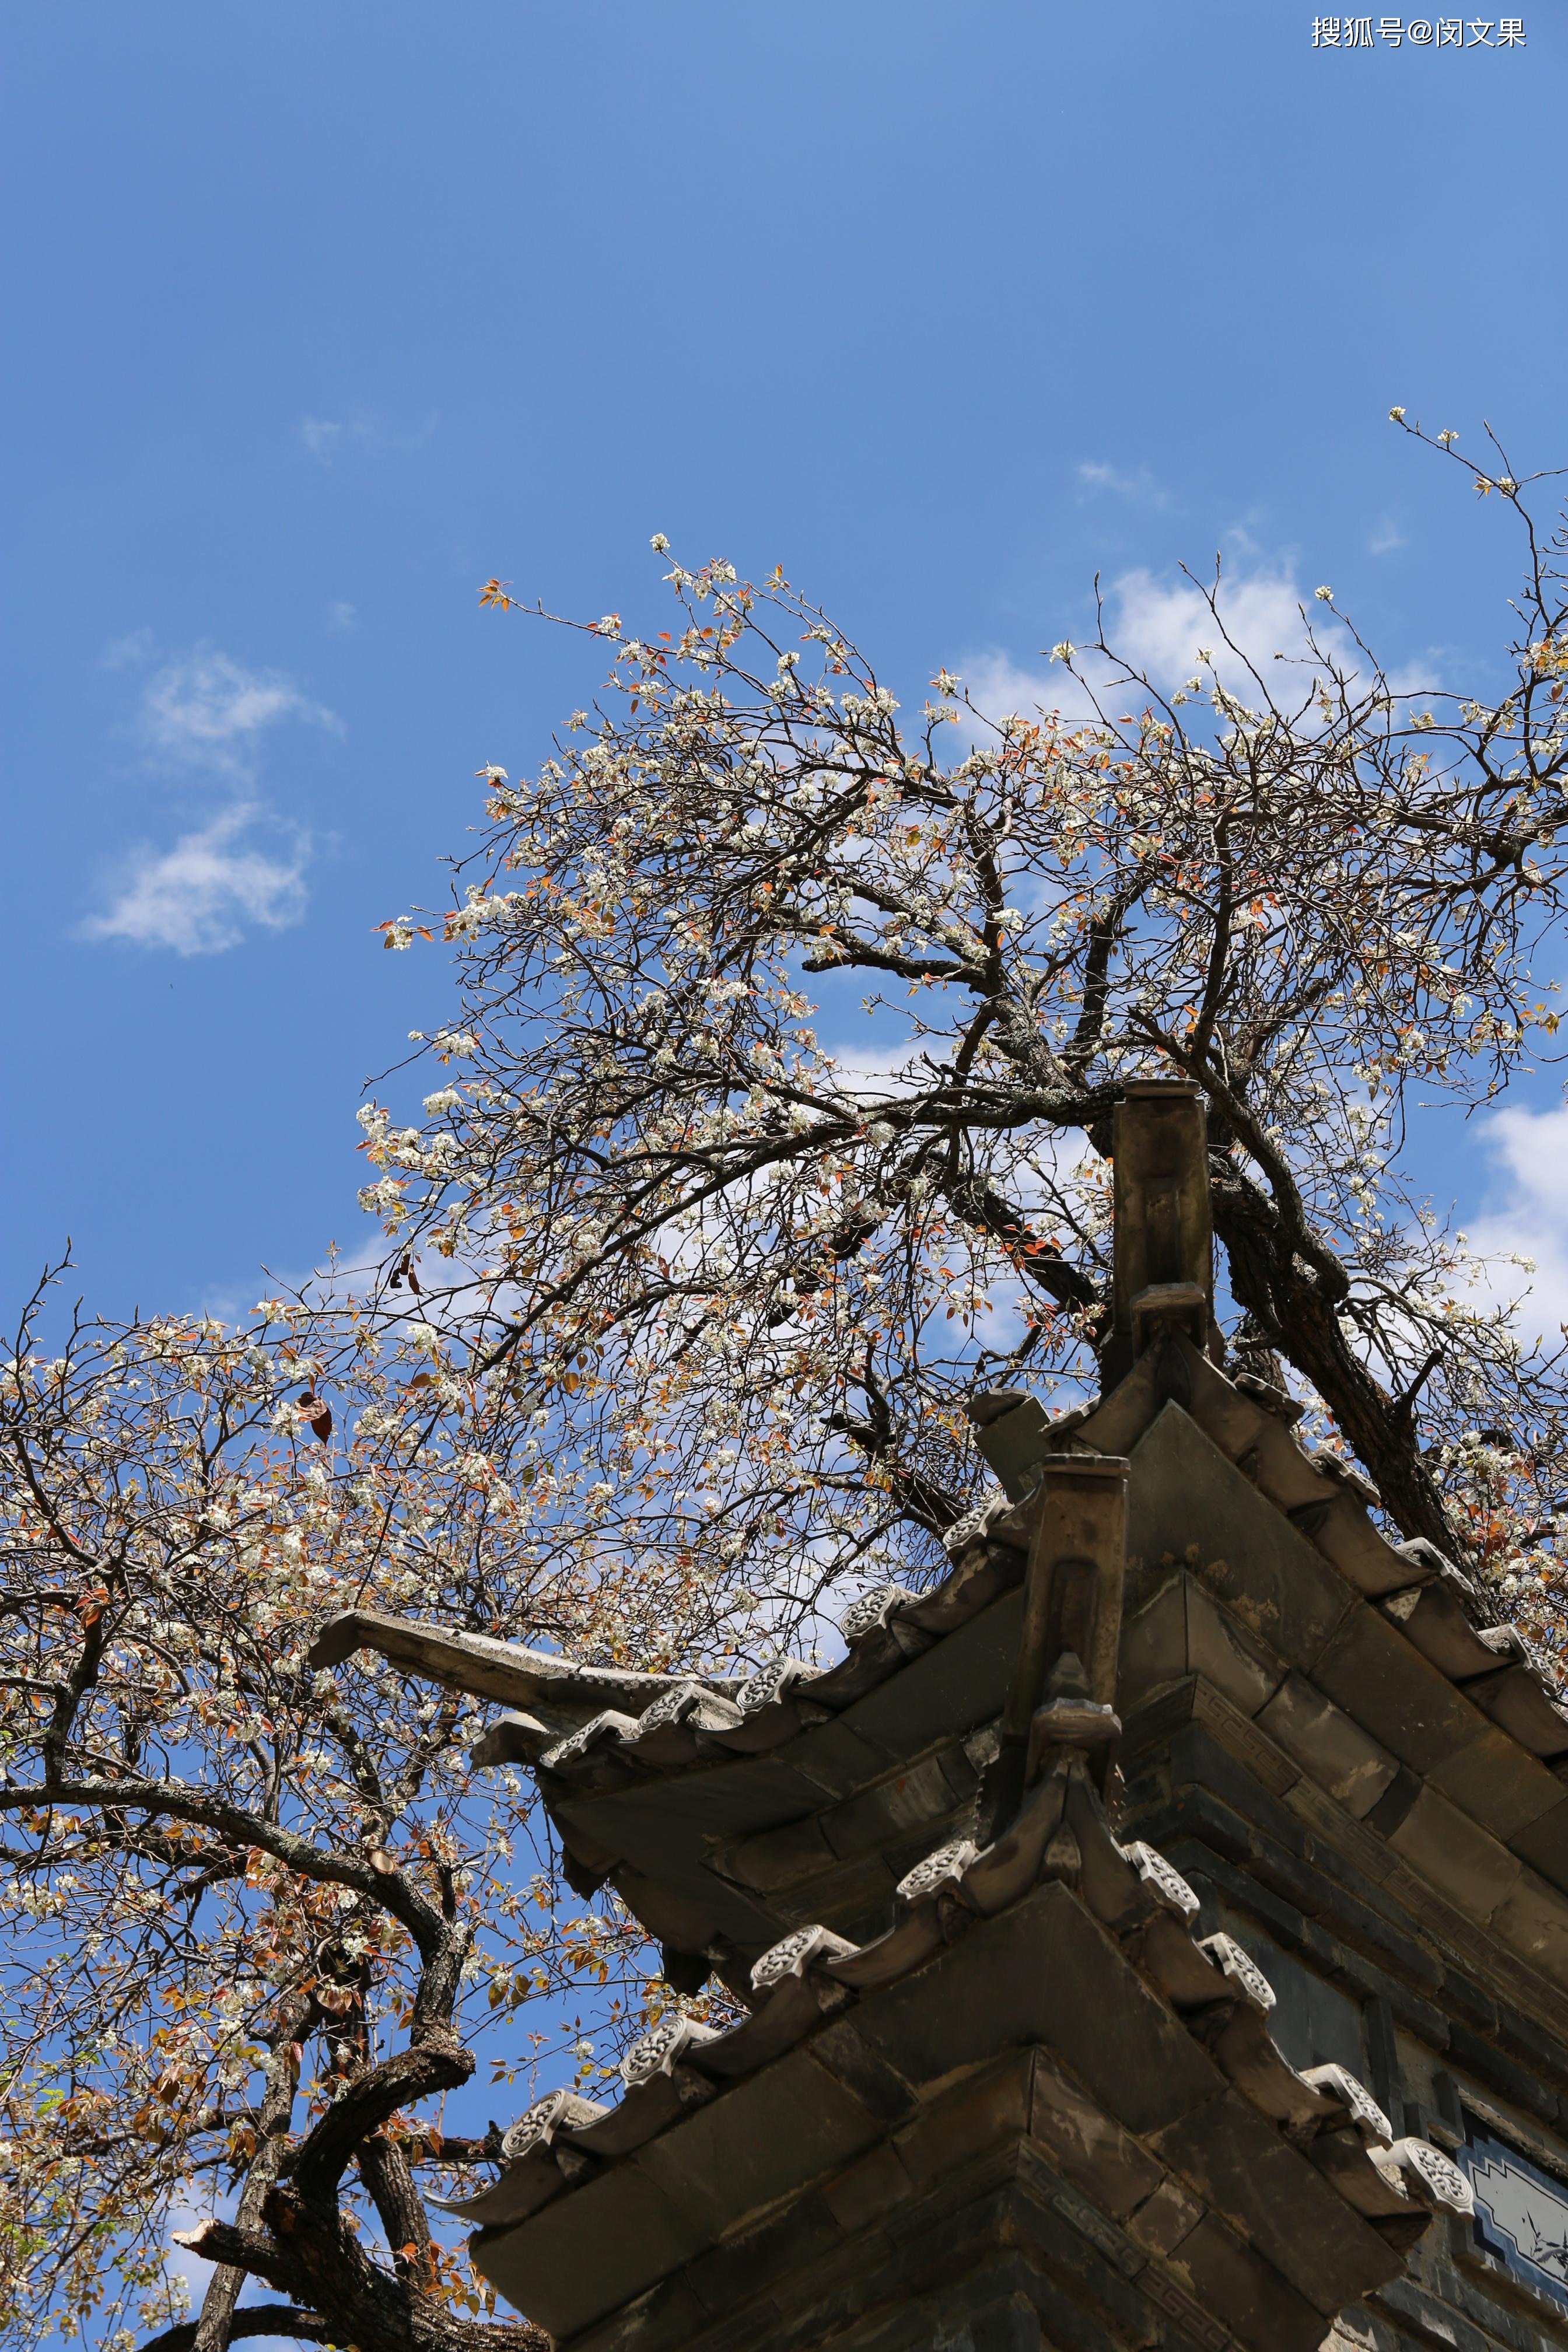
{"x": 322, "y": 314}
{"x": 323, "y": 311}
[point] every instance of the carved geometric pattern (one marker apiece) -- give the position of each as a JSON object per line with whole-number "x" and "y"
{"x": 1242, "y": 1971}
{"x": 1443, "y": 2183}
{"x": 789, "y": 1957}
{"x": 1167, "y": 1884}
{"x": 770, "y": 1682}
{"x": 1338, "y": 2083}
{"x": 871, "y": 1608}
{"x": 948, "y": 1863}
{"x": 533, "y": 2124}
{"x": 670, "y": 1706}
{"x": 657, "y": 2051}
{"x": 577, "y": 1743}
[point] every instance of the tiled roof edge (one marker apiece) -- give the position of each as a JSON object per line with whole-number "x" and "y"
{"x": 1433, "y": 1604}
{"x": 812, "y": 1975}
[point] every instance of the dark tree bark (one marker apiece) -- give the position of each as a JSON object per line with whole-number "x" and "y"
{"x": 1295, "y": 1309}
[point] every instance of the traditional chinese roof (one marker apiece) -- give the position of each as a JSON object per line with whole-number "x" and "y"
{"x": 1040, "y": 1992}
{"x": 1048, "y": 1991}
{"x": 724, "y": 1812}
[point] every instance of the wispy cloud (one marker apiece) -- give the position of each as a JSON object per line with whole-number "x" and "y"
{"x": 328, "y": 437}
{"x": 209, "y": 711}
{"x": 202, "y": 896}
{"x": 999, "y": 686}
{"x": 129, "y": 651}
{"x": 1163, "y": 624}
{"x": 870, "y": 1073}
{"x": 1529, "y": 1218}
{"x": 1421, "y": 675}
{"x": 342, "y": 615}
{"x": 342, "y": 1280}
{"x": 1095, "y": 474}
{"x": 1159, "y": 627}
{"x": 1385, "y": 538}
{"x": 205, "y": 715}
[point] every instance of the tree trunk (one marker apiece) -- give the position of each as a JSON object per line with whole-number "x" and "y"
{"x": 213, "y": 2327}
{"x": 1296, "y": 1317}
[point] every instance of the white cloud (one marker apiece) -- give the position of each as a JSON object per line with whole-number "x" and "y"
{"x": 121, "y": 653}
{"x": 209, "y": 713}
{"x": 185, "y": 2217}
{"x": 341, "y": 615}
{"x": 1425, "y": 676}
{"x": 1532, "y": 1218}
{"x": 208, "y": 710}
{"x": 864, "y": 1073}
{"x": 1162, "y": 626}
{"x": 328, "y": 437}
{"x": 1385, "y": 538}
{"x": 1105, "y": 478}
{"x": 997, "y": 686}
{"x": 340, "y": 1281}
{"x": 1159, "y": 626}
{"x": 200, "y": 896}
{"x": 1533, "y": 1148}
{"x": 1096, "y": 475}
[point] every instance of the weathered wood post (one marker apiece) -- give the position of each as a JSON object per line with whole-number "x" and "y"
{"x": 1162, "y": 1265}
{"x": 1062, "y": 1690}
{"x": 1163, "y": 1271}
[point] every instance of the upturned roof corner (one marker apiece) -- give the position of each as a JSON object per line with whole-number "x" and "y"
{"x": 912, "y": 1869}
